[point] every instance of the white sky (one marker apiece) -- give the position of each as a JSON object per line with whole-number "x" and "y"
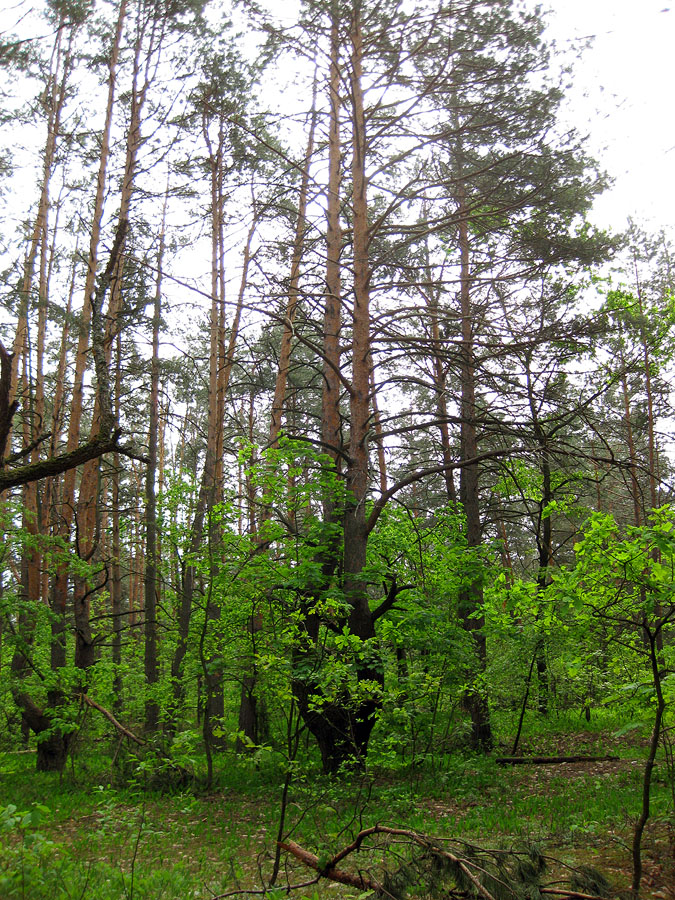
{"x": 624, "y": 97}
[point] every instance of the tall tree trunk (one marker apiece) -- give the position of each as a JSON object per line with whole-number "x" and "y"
{"x": 59, "y": 590}
{"x": 440, "y": 389}
{"x": 471, "y": 597}
{"x": 647, "y": 367}
{"x": 545, "y": 552}
{"x": 116, "y": 567}
{"x": 219, "y": 378}
{"x": 281, "y": 381}
{"x": 630, "y": 440}
{"x": 51, "y": 755}
{"x": 320, "y": 723}
{"x": 88, "y": 510}
{"x": 331, "y": 432}
{"x": 150, "y": 658}
{"x": 342, "y": 726}
{"x": 252, "y": 712}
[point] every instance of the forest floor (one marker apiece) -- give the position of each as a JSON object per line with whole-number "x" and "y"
{"x": 102, "y": 841}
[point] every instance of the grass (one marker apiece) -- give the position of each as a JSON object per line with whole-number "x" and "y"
{"x": 137, "y": 843}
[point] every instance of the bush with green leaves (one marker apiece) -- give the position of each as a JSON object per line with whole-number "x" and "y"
{"x": 26, "y": 855}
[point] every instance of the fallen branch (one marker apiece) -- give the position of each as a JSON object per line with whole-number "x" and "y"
{"x": 141, "y": 742}
{"x": 113, "y": 721}
{"x": 265, "y": 892}
{"x": 551, "y": 760}
{"x": 362, "y": 882}
{"x": 570, "y": 895}
{"x": 312, "y": 862}
{"x": 472, "y": 869}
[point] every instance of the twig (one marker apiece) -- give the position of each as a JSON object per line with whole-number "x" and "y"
{"x": 261, "y": 892}
{"x": 575, "y": 895}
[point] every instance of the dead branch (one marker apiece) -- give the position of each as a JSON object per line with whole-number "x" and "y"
{"x": 113, "y": 721}
{"x": 361, "y": 881}
{"x": 28, "y": 449}
{"x": 551, "y": 760}
{"x": 264, "y": 892}
{"x": 570, "y": 895}
{"x": 430, "y": 845}
{"x": 312, "y": 862}
{"x": 139, "y": 741}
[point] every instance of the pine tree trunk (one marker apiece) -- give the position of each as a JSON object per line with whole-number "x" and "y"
{"x": 471, "y": 597}
{"x": 332, "y": 323}
{"x": 151, "y": 665}
{"x": 440, "y": 389}
{"x": 281, "y": 381}
{"x": 343, "y": 727}
{"x": 59, "y": 590}
{"x": 116, "y": 567}
{"x": 88, "y": 503}
{"x": 52, "y": 752}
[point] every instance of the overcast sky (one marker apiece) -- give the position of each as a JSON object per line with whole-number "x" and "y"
{"x": 624, "y": 97}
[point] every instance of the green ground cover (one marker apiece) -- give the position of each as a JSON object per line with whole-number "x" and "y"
{"x": 94, "y": 834}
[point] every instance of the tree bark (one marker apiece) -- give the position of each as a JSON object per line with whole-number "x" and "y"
{"x": 342, "y": 727}
{"x": 471, "y": 597}
{"x": 151, "y": 665}
{"x": 288, "y": 329}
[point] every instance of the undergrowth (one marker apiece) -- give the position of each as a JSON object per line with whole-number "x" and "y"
{"x": 86, "y": 834}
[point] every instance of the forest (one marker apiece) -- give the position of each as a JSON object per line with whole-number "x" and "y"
{"x": 337, "y": 549}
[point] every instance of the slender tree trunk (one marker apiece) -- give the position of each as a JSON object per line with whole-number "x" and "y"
{"x": 55, "y": 94}
{"x": 218, "y": 385}
{"x": 281, "y": 381}
{"x": 545, "y": 549}
{"x": 51, "y": 752}
{"x": 59, "y": 589}
{"x": 471, "y": 597}
{"x": 651, "y": 642}
{"x": 635, "y": 484}
{"x": 151, "y": 584}
{"x": 211, "y": 485}
{"x": 116, "y": 567}
{"x": 440, "y": 388}
{"x": 252, "y": 713}
{"x": 88, "y": 510}
{"x": 331, "y": 435}
{"x": 647, "y": 366}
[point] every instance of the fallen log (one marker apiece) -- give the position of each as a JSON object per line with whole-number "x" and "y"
{"x": 551, "y": 760}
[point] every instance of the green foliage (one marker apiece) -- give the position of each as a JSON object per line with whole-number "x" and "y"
{"x": 25, "y": 853}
